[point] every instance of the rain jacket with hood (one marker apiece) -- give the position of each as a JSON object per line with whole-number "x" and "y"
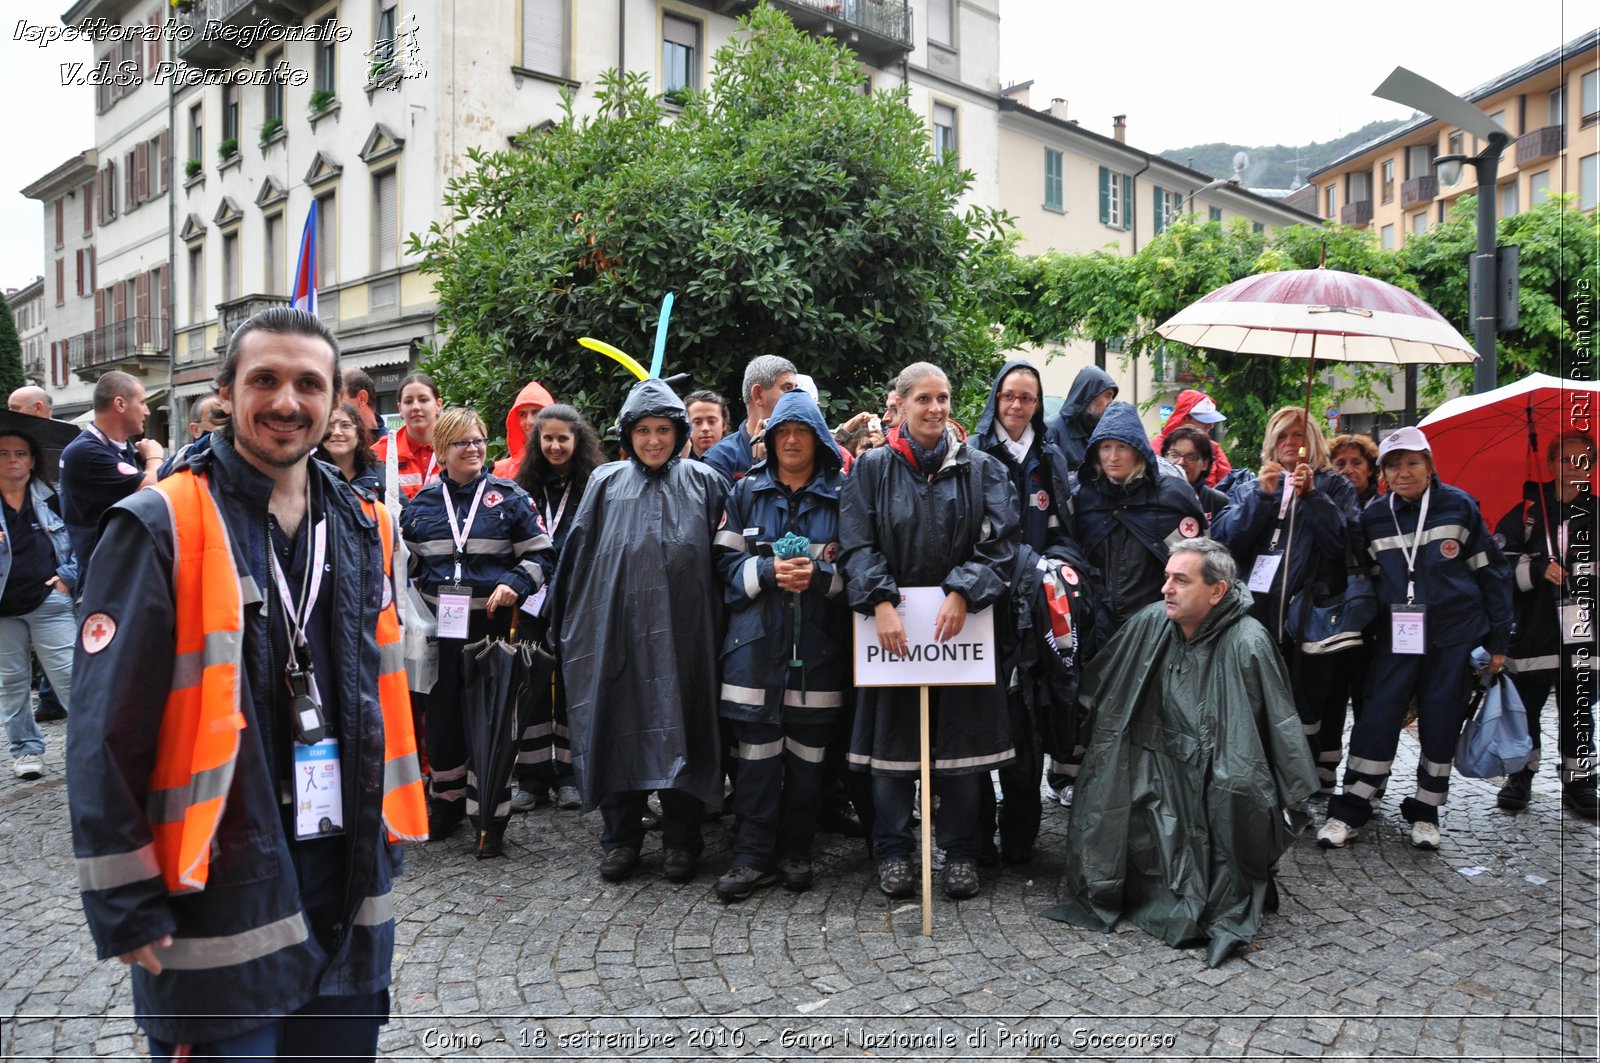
{"x": 1126, "y": 530}
{"x": 1533, "y": 532}
{"x": 956, "y": 530}
{"x": 1042, "y": 480}
{"x": 533, "y": 396}
{"x": 1322, "y": 520}
{"x": 1195, "y": 754}
{"x": 1187, "y": 400}
{"x": 757, "y": 683}
{"x": 636, "y": 631}
{"x": 1070, "y": 431}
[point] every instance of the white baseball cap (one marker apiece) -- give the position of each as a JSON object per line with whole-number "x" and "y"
{"x": 1205, "y": 411}
{"x": 1402, "y": 439}
{"x": 806, "y": 384}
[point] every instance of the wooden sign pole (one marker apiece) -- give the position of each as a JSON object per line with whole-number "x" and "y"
{"x": 926, "y": 762}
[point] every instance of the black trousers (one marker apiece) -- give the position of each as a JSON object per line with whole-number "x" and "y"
{"x": 1574, "y": 688}
{"x": 453, "y": 775}
{"x": 777, "y": 789}
{"x": 1023, "y": 807}
{"x": 623, "y": 813}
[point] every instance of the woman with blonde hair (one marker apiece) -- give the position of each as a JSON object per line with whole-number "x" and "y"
{"x": 1288, "y": 527}
{"x": 475, "y": 542}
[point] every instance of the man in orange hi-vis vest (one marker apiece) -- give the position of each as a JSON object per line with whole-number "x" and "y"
{"x": 246, "y": 767}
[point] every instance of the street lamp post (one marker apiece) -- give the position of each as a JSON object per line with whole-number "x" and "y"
{"x": 1412, "y": 90}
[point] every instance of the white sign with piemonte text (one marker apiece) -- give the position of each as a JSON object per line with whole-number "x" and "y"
{"x": 966, "y": 660}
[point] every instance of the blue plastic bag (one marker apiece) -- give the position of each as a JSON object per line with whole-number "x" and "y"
{"x": 1495, "y": 740}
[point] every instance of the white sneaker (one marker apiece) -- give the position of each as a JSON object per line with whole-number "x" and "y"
{"x": 30, "y": 766}
{"x": 1336, "y": 833}
{"x": 1425, "y": 835}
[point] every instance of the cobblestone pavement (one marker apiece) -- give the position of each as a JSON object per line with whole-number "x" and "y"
{"x": 1379, "y": 951}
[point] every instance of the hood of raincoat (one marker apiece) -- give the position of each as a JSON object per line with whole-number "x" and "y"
{"x": 532, "y": 396}
{"x": 1120, "y": 422}
{"x": 1206, "y": 732}
{"x": 1089, "y": 383}
{"x": 796, "y": 405}
{"x": 1187, "y": 400}
{"x": 653, "y": 398}
{"x": 989, "y": 427}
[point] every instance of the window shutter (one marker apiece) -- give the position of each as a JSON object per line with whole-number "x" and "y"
{"x": 88, "y": 207}
{"x": 327, "y": 237}
{"x": 99, "y": 308}
{"x": 129, "y": 198}
{"x": 1158, "y": 219}
{"x": 679, "y": 31}
{"x": 141, "y": 290}
{"x": 81, "y": 277}
{"x": 61, "y": 281}
{"x": 61, "y": 220}
{"x": 142, "y": 182}
{"x": 163, "y": 161}
{"x": 154, "y": 44}
{"x": 119, "y": 302}
{"x": 1105, "y": 196}
{"x": 1127, "y": 201}
{"x": 544, "y": 36}
{"x": 94, "y": 271}
{"x": 163, "y": 286}
{"x": 384, "y": 220}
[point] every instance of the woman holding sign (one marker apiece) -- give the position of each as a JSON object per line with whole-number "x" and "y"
{"x": 477, "y": 549}
{"x": 1445, "y": 588}
{"x": 927, "y": 510}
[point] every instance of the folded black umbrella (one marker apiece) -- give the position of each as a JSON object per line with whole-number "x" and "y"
{"x": 52, "y": 437}
{"x": 498, "y": 674}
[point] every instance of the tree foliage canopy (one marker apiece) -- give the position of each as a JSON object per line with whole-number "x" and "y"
{"x": 1107, "y": 297}
{"x": 789, "y": 212}
{"x": 12, "y": 374}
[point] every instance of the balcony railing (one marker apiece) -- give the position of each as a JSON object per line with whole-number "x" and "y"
{"x": 1357, "y": 213}
{"x": 877, "y": 30}
{"x": 232, "y": 314}
{"x": 33, "y": 369}
{"x": 1541, "y": 144}
{"x": 232, "y": 37}
{"x": 1419, "y": 190}
{"x": 134, "y": 339}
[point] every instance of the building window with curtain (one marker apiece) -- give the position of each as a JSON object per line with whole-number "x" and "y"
{"x": 1509, "y": 203}
{"x": 1588, "y": 182}
{"x": 944, "y": 132}
{"x": 230, "y": 266}
{"x": 197, "y": 284}
{"x": 1388, "y": 181}
{"x": 327, "y": 240}
{"x": 272, "y": 95}
{"x": 680, "y": 56}
{"x": 544, "y": 36}
{"x": 325, "y": 74}
{"x": 941, "y": 22}
{"x": 1116, "y": 193}
{"x": 1213, "y": 214}
{"x": 1052, "y": 179}
{"x": 272, "y": 254}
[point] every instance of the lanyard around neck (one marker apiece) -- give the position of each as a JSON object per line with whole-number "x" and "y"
{"x": 1410, "y": 552}
{"x": 296, "y": 616}
{"x": 551, "y": 523}
{"x": 459, "y": 532}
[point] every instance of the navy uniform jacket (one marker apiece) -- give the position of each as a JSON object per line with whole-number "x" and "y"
{"x": 506, "y": 544}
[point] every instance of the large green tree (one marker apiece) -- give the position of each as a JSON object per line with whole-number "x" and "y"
{"x": 789, "y": 212}
{"x": 11, "y": 372}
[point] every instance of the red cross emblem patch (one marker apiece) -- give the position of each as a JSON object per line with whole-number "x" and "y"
{"x": 493, "y": 498}
{"x": 98, "y": 631}
{"x": 1041, "y": 501}
{"x": 1450, "y": 548}
{"x": 1188, "y": 527}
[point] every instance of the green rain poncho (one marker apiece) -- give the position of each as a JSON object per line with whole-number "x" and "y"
{"x": 1194, "y": 756}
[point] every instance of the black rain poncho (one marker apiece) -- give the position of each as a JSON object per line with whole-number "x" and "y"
{"x": 1195, "y": 752}
{"x": 956, "y": 530}
{"x": 636, "y": 623}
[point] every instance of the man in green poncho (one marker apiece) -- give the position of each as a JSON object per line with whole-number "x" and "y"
{"x": 1195, "y": 755}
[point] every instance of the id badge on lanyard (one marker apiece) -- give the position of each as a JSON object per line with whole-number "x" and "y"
{"x": 318, "y": 800}
{"x": 1408, "y": 623}
{"x": 455, "y": 600}
{"x": 1265, "y": 569}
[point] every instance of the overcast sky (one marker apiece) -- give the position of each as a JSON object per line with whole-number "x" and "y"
{"x": 1248, "y": 72}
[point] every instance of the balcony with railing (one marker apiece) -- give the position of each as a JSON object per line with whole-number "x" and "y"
{"x": 1539, "y": 144}
{"x": 232, "y": 314}
{"x": 1357, "y": 213}
{"x": 134, "y": 345}
{"x": 1419, "y": 190}
{"x": 879, "y": 31}
{"x": 222, "y": 33}
{"x": 33, "y": 368}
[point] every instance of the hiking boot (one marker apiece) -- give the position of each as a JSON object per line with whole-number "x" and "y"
{"x": 445, "y": 818}
{"x": 897, "y": 878}
{"x": 678, "y": 865}
{"x": 567, "y": 798}
{"x": 796, "y": 875}
{"x": 1579, "y": 798}
{"x": 1336, "y": 833}
{"x": 619, "y": 864}
{"x": 1514, "y": 794}
{"x": 528, "y": 800}
{"x": 1425, "y": 835}
{"x": 737, "y": 883}
{"x": 28, "y": 766}
{"x": 960, "y": 880}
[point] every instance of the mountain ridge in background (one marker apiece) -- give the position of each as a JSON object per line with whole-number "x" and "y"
{"x": 1275, "y": 166}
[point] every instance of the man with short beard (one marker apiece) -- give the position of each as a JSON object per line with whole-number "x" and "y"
{"x": 243, "y": 758}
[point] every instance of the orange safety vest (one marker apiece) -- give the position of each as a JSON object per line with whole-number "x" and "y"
{"x": 198, "y": 744}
